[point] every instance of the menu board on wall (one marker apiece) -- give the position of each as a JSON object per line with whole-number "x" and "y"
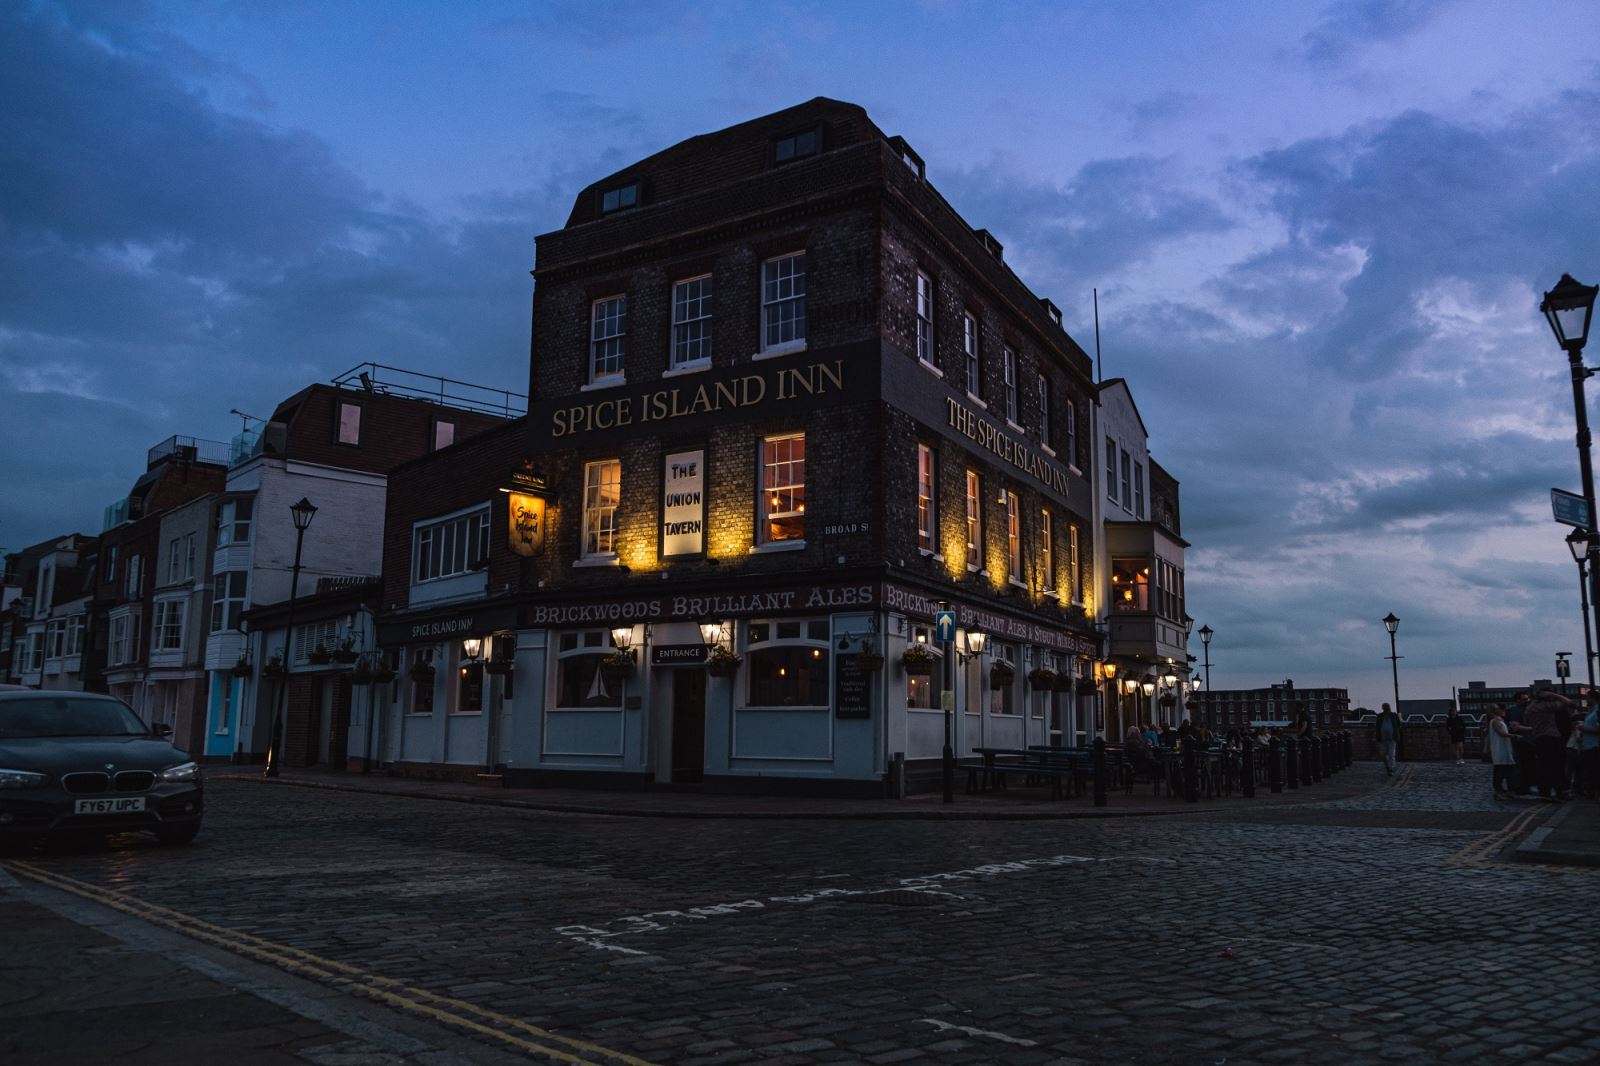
{"x": 852, "y": 688}
{"x": 683, "y": 504}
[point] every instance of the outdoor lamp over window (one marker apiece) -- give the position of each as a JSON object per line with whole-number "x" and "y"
{"x": 1391, "y": 623}
{"x": 471, "y": 647}
{"x": 622, "y": 637}
{"x": 977, "y": 640}
{"x": 1569, "y": 307}
{"x": 303, "y": 512}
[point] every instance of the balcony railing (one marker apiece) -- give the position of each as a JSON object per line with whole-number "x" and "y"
{"x": 195, "y": 449}
{"x": 410, "y": 384}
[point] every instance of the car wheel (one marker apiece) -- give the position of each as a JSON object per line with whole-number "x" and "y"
{"x": 177, "y": 834}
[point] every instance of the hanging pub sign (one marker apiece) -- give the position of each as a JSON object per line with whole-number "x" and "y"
{"x": 683, "y": 504}
{"x": 525, "y": 512}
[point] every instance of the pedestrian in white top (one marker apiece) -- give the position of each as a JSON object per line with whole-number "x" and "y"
{"x": 1501, "y": 752}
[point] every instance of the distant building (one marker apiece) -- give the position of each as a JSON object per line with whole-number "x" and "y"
{"x": 1235, "y": 708}
{"x": 1476, "y": 699}
{"x": 44, "y": 619}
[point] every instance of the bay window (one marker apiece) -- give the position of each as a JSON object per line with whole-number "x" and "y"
{"x": 456, "y": 545}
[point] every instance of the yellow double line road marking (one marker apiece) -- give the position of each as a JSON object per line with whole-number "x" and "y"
{"x": 1479, "y": 850}
{"x": 499, "y": 1027}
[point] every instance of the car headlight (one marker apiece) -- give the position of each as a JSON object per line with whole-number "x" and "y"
{"x": 184, "y": 771}
{"x": 21, "y": 779}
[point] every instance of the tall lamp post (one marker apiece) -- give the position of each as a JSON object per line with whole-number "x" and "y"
{"x": 1569, "y": 307}
{"x": 977, "y": 640}
{"x": 1391, "y": 623}
{"x": 302, "y": 513}
{"x": 1579, "y": 543}
{"x": 1206, "y": 632}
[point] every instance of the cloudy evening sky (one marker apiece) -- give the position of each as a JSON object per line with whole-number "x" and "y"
{"x": 1319, "y": 234}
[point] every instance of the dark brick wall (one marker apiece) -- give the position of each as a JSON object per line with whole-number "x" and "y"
{"x": 394, "y": 429}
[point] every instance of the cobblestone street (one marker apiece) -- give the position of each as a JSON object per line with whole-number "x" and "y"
{"x": 1377, "y": 928}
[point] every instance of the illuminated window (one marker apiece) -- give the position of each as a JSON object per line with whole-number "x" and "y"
{"x": 602, "y": 492}
{"x": 469, "y": 688}
{"x": 788, "y": 663}
{"x": 925, "y": 318}
{"x": 1072, "y": 564}
{"x": 927, "y": 500}
{"x": 1130, "y": 584}
{"x": 783, "y": 301}
{"x": 974, "y": 522}
{"x": 783, "y": 488}
{"x": 969, "y": 349}
{"x": 1013, "y": 537}
{"x": 607, "y": 338}
{"x": 926, "y": 693}
{"x": 691, "y": 322}
{"x": 1047, "y": 550}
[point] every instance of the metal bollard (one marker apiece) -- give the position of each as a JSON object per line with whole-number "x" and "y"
{"x": 1274, "y": 767}
{"x": 1327, "y": 753}
{"x": 1313, "y": 768}
{"x": 1100, "y": 771}
{"x": 1291, "y": 763}
{"x": 1305, "y": 761}
{"x": 1191, "y": 773}
{"x": 1247, "y": 770}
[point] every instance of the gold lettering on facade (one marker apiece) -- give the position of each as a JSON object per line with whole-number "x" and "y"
{"x": 1018, "y": 454}
{"x": 788, "y": 384}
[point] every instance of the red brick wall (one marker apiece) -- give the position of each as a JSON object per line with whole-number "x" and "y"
{"x": 394, "y": 429}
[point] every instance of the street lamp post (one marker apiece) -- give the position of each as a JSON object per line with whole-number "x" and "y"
{"x": 1391, "y": 623}
{"x": 1579, "y": 543}
{"x": 1568, "y": 308}
{"x": 976, "y": 640}
{"x": 1206, "y": 633}
{"x": 302, "y": 513}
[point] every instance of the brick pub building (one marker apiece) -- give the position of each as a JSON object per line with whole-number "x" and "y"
{"x": 783, "y": 401}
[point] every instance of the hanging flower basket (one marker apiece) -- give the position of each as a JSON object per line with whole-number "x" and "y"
{"x": 917, "y": 661}
{"x": 240, "y": 668}
{"x": 1169, "y": 700}
{"x": 1001, "y": 674}
{"x": 274, "y": 668}
{"x": 319, "y": 657}
{"x": 361, "y": 675}
{"x": 498, "y": 666}
{"x": 421, "y": 672}
{"x": 723, "y": 663}
{"x": 618, "y": 666}
{"x": 1042, "y": 680}
{"x": 344, "y": 654}
{"x": 869, "y": 662}
{"x": 1085, "y": 684}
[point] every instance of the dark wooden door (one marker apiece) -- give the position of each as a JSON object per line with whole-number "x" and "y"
{"x": 688, "y": 726}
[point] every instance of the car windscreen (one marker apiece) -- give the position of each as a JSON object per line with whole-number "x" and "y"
{"x": 67, "y": 716}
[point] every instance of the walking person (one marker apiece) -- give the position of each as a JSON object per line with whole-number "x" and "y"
{"x": 1386, "y": 730}
{"x": 1455, "y": 727}
{"x": 1501, "y": 753}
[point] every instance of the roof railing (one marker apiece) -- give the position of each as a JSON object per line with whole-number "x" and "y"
{"x": 448, "y": 392}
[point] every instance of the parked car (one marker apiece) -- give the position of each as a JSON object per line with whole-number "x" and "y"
{"x": 84, "y": 762}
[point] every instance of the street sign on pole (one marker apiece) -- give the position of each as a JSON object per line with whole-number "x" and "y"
{"x": 944, "y": 626}
{"x": 1570, "y": 509}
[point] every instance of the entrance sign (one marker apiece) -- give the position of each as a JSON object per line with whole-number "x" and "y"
{"x": 1570, "y": 509}
{"x": 944, "y": 625}
{"x": 683, "y": 504}
{"x": 677, "y": 655}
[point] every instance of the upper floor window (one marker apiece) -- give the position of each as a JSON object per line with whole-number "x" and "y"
{"x": 620, "y": 197}
{"x": 927, "y": 500}
{"x": 314, "y": 636}
{"x": 1008, "y": 366}
{"x": 783, "y": 301}
{"x": 607, "y": 338}
{"x": 233, "y": 522}
{"x": 602, "y": 493}
{"x": 795, "y": 146}
{"x": 180, "y": 558}
{"x": 789, "y": 663}
{"x": 1072, "y": 432}
{"x": 55, "y": 638}
{"x": 444, "y": 433}
{"x": 45, "y": 591}
{"x": 1013, "y": 537}
{"x": 969, "y": 348}
{"x": 1138, "y": 490}
{"x": 1127, "y": 478}
{"x": 168, "y": 629}
{"x": 1130, "y": 584}
{"x": 75, "y": 635}
{"x": 453, "y": 546}
{"x": 1072, "y": 564}
{"x": 1111, "y": 470}
{"x": 974, "y": 522}
{"x": 783, "y": 488}
{"x": 925, "y": 318}
{"x": 135, "y": 576}
{"x": 227, "y": 600}
{"x": 349, "y": 428}
{"x": 1045, "y": 436}
{"x": 1047, "y": 550}
{"x": 691, "y": 322}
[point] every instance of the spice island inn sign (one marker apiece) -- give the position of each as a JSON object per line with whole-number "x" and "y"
{"x": 992, "y": 439}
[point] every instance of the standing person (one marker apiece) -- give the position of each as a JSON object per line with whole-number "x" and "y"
{"x": 1386, "y": 730}
{"x": 1589, "y": 749}
{"x": 1543, "y": 720}
{"x": 1521, "y": 743}
{"x": 1455, "y": 727}
{"x": 1501, "y": 752}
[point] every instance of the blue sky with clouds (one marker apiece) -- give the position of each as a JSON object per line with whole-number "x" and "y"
{"x": 1319, "y": 234}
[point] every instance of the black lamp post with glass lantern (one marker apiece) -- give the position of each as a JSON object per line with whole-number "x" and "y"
{"x": 1391, "y": 623}
{"x": 1568, "y": 308}
{"x": 1578, "y": 542}
{"x": 1206, "y": 633}
{"x": 302, "y": 513}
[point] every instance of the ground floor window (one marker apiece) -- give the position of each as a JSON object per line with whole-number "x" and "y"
{"x": 789, "y": 662}
{"x": 1003, "y": 700}
{"x": 224, "y": 704}
{"x": 926, "y": 693}
{"x": 422, "y": 673}
{"x": 469, "y": 689}
{"x": 580, "y": 682}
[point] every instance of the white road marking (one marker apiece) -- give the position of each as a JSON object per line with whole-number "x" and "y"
{"x": 987, "y": 1034}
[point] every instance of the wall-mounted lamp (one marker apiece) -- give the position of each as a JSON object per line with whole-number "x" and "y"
{"x": 977, "y": 640}
{"x": 1110, "y": 669}
{"x": 1149, "y": 687}
{"x": 711, "y": 634}
{"x": 472, "y": 647}
{"x": 622, "y": 637}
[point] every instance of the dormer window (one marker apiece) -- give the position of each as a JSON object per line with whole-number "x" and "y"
{"x": 796, "y": 146}
{"x": 621, "y": 197}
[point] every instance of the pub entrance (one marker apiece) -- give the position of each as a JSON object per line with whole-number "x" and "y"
{"x": 688, "y": 726}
